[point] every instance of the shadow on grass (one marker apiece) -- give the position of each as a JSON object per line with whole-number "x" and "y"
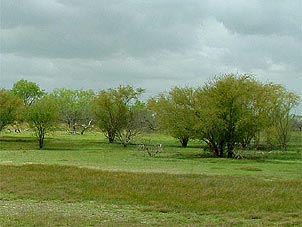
{"x": 11, "y": 139}
{"x": 191, "y": 155}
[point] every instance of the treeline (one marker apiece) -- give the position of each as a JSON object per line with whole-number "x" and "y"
{"x": 227, "y": 112}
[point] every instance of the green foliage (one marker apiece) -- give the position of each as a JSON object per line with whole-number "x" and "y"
{"x": 74, "y": 106}
{"x": 227, "y": 113}
{"x": 233, "y": 109}
{"x": 280, "y": 117}
{"x": 28, "y": 91}
{"x": 10, "y": 107}
{"x": 175, "y": 113}
{"x": 42, "y": 116}
{"x": 120, "y": 113}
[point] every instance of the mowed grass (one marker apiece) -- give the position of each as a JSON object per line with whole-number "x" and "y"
{"x": 93, "y": 151}
{"x": 83, "y": 181}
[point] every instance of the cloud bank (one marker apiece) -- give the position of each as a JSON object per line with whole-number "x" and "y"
{"x": 155, "y": 44}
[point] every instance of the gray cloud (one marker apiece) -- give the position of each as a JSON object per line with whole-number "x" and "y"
{"x": 72, "y": 29}
{"x": 152, "y": 44}
{"x": 261, "y": 17}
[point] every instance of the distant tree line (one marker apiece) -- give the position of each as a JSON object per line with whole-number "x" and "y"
{"x": 227, "y": 112}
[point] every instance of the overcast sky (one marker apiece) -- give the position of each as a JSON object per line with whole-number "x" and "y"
{"x": 153, "y": 44}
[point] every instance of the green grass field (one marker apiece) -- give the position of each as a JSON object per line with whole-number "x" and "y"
{"x": 84, "y": 181}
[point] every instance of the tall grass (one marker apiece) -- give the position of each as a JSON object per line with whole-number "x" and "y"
{"x": 199, "y": 194}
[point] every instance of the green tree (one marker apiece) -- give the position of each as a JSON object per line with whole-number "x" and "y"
{"x": 136, "y": 122}
{"x": 28, "y": 91}
{"x": 114, "y": 110}
{"x": 175, "y": 113}
{"x": 232, "y": 109}
{"x": 281, "y": 119}
{"x": 210, "y": 126}
{"x": 42, "y": 115}
{"x": 75, "y": 107}
{"x": 10, "y": 106}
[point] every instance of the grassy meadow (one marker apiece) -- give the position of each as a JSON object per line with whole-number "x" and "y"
{"x": 81, "y": 180}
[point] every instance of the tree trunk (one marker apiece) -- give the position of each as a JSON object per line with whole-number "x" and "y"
{"x": 84, "y": 127}
{"x": 184, "y": 142}
{"x": 221, "y": 148}
{"x": 41, "y": 141}
{"x": 230, "y": 153}
{"x": 231, "y": 147}
{"x": 217, "y": 150}
{"x": 83, "y": 130}
{"x": 111, "y": 137}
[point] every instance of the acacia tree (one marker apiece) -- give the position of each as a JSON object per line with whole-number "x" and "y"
{"x": 28, "y": 91}
{"x": 115, "y": 111}
{"x": 42, "y": 116}
{"x": 254, "y": 116}
{"x": 10, "y": 105}
{"x": 231, "y": 112}
{"x": 137, "y": 121}
{"x": 281, "y": 118}
{"x": 209, "y": 126}
{"x": 175, "y": 113}
{"x": 75, "y": 107}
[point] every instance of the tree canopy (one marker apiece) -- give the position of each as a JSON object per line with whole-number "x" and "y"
{"x": 74, "y": 106}
{"x": 117, "y": 111}
{"x": 42, "y": 116}
{"x": 281, "y": 120}
{"x": 234, "y": 108}
{"x": 28, "y": 91}
{"x": 10, "y": 106}
{"x": 175, "y": 113}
